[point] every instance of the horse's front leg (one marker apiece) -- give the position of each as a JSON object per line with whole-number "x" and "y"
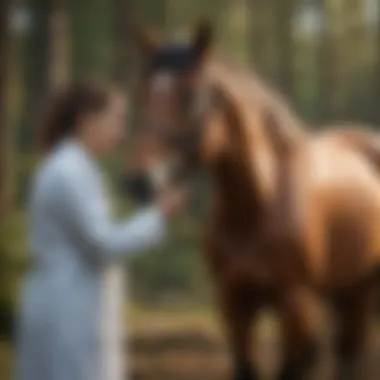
{"x": 239, "y": 317}
{"x": 299, "y": 314}
{"x": 353, "y": 316}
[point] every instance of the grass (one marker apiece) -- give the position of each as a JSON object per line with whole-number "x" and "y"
{"x": 173, "y": 319}
{"x": 5, "y": 361}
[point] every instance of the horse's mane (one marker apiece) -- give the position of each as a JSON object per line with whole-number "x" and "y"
{"x": 257, "y": 102}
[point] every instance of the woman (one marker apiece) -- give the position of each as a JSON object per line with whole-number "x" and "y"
{"x": 71, "y": 311}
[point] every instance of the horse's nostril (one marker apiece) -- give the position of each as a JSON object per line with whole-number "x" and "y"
{"x": 139, "y": 187}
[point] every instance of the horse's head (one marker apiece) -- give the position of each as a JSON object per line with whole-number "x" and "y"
{"x": 176, "y": 101}
{"x": 192, "y": 112}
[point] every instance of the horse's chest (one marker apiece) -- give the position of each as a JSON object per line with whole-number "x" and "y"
{"x": 257, "y": 261}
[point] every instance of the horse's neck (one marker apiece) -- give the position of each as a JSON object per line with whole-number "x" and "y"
{"x": 240, "y": 178}
{"x": 252, "y": 189}
{"x": 237, "y": 193}
{"x": 260, "y": 144}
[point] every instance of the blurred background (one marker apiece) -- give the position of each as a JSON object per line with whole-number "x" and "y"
{"x": 322, "y": 55}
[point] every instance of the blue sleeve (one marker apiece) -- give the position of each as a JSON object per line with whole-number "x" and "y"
{"x": 85, "y": 211}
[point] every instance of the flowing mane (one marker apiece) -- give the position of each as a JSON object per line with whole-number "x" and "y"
{"x": 262, "y": 134}
{"x": 254, "y": 99}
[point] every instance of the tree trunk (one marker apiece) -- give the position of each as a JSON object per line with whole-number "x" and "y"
{"x": 285, "y": 47}
{"x": 37, "y": 72}
{"x": 124, "y": 11}
{"x": 330, "y": 65}
{"x": 326, "y": 66}
{"x": 377, "y": 73}
{"x": 154, "y": 13}
{"x": 91, "y": 28}
{"x": 59, "y": 36}
{"x": 356, "y": 89}
{"x": 259, "y": 35}
{"x": 4, "y": 128}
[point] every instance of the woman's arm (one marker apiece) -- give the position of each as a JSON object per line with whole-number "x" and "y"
{"x": 87, "y": 212}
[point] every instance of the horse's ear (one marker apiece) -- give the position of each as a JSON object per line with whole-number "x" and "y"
{"x": 147, "y": 40}
{"x": 203, "y": 39}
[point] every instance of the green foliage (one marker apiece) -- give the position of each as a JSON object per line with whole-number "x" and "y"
{"x": 6, "y": 359}
{"x": 91, "y": 28}
{"x": 12, "y": 263}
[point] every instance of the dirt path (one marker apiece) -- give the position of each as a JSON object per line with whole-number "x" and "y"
{"x": 196, "y": 351}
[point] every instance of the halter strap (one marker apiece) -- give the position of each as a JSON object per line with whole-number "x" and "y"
{"x": 173, "y": 58}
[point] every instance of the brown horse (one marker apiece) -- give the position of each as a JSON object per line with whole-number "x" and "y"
{"x": 295, "y": 217}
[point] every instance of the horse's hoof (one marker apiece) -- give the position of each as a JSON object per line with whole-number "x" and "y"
{"x": 291, "y": 371}
{"x": 289, "y": 375}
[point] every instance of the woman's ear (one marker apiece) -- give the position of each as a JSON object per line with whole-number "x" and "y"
{"x": 148, "y": 41}
{"x": 203, "y": 39}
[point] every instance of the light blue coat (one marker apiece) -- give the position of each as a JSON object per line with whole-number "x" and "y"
{"x": 71, "y": 304}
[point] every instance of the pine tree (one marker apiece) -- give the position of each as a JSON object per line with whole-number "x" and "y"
{"x": 4, "y": 128}
{"x": 285, "y": 46}
{"x": 124, "y": 20}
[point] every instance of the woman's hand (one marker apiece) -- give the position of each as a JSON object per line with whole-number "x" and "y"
{"x": 173, "y": 201}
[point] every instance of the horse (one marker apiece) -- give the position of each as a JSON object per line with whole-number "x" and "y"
{"x": 295, "y": 214}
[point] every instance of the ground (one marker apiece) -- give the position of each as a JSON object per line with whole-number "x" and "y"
{"x": 189, "y": 345}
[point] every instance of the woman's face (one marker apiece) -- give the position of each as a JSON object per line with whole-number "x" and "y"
{"x": 105, "y": 130}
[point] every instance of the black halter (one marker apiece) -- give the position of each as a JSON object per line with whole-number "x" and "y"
{"x": 173, "y": 58}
